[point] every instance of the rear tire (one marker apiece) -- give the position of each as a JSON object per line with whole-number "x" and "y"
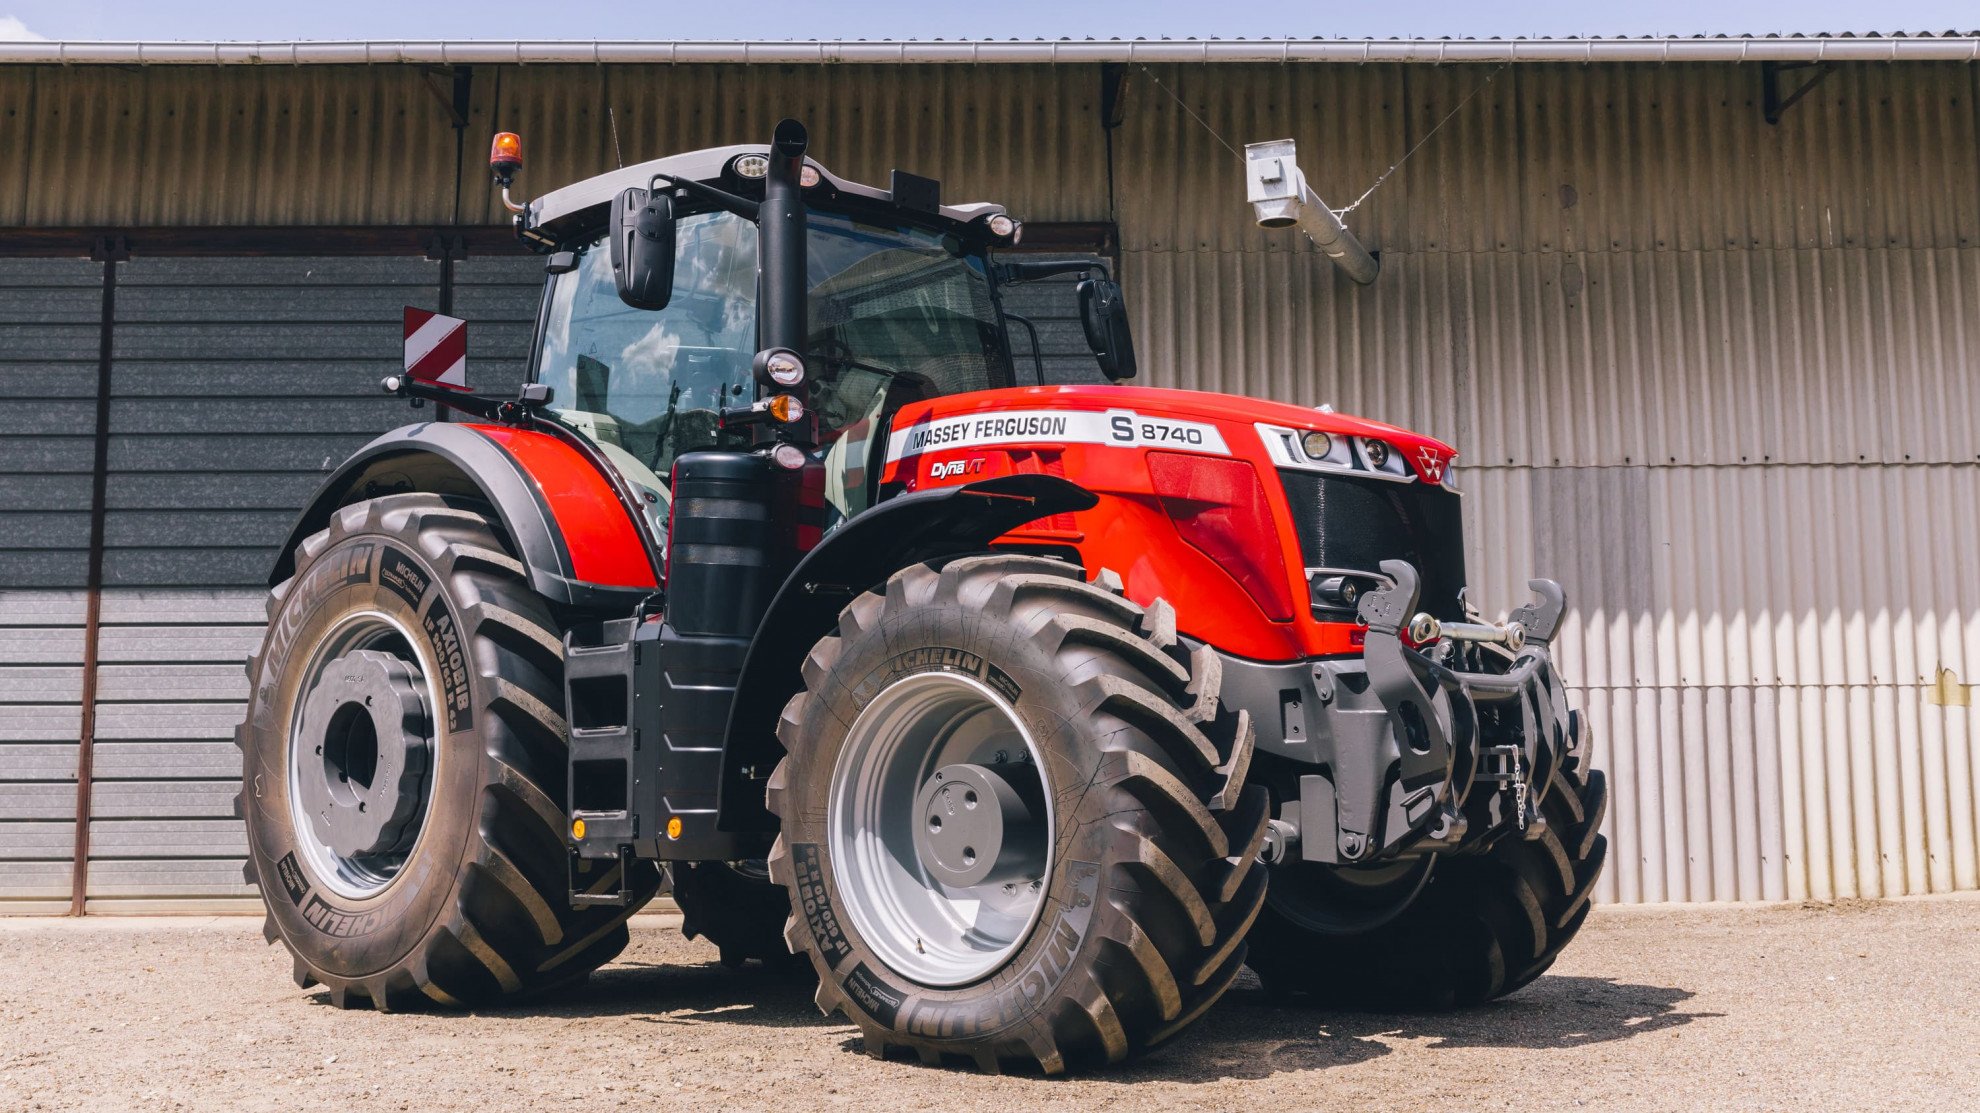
{"x": 1144, "y": 876}
{"x": 472, "y": 906}
{"x": 1481, "y": 927}
{"x": 741, "y": 916}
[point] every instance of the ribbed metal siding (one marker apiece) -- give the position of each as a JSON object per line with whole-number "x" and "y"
{"x": 236, "y": 383}
{"x": 1020, "y": 135}
{"x": 49, "y": 341}
{"x": 1557, "y": 157}
{"x": 41, "y": 652}
{"x": 1762, "y": 652}
{"x": 376, "y": 144}
{"x": 224, "y": 145}
{"x": 1717, "y": 377}
{"x": 1761, "y": 640}
{"x": 498, "y": 295}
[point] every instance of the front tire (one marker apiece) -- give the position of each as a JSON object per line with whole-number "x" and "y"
{"x": 462, "y": 897}
{"x": 1090, "y": 892}
{"x": 1471, "y": 929}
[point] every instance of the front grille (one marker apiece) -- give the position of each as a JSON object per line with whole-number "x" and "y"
{"x": 1347, "y": 521}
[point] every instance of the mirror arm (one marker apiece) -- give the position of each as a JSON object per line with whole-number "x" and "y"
{"x": 741, "y": 206}
{"x": 1037, "y": 357}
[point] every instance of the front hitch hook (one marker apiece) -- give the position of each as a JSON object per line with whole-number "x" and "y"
{"x": 1542, "y": 619}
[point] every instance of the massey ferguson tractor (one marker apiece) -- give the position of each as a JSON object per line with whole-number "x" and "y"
{"x": 1026, "y": 714}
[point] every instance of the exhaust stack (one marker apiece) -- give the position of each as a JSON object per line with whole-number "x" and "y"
{"x": 1280, "y": 198}
{"x": 781, "y": 225}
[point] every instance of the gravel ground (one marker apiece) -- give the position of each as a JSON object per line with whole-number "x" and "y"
{"x": 1824, "y": 1006}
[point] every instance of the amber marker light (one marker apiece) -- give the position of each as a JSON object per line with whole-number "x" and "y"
{"x": 786, "y": 408}
{"x": 577, "y": 828}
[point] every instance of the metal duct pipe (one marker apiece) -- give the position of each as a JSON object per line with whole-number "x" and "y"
{"x": 1280, "y": 198}
{"x": 1921, "y": 48}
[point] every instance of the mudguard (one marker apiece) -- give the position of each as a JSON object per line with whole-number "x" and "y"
{"x": 861, "y": 554}
{"x": 560, "y": 511}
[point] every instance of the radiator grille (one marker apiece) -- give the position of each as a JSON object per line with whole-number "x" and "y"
{"x": 1349, "y": 522}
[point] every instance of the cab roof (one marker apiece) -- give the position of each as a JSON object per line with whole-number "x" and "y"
{"x": 582, "y": 204}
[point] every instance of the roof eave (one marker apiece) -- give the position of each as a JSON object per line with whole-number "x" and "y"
{"x": 1894, "y": 48}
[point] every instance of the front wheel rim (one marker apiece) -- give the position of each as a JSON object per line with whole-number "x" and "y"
{"x": 925, "y": 911}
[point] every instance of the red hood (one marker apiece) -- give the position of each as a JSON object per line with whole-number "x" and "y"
{"x": 1224, "y": 409}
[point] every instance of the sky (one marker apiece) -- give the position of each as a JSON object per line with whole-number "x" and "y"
{"x": 875, "y": 19}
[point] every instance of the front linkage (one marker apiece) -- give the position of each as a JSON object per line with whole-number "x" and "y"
{"x": 1400, "y": 741}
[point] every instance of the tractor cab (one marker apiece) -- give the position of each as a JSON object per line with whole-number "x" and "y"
{"x": 648, "y": 348}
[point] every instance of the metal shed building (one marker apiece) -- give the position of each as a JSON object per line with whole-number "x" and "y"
{"x": 1703, "y": 316}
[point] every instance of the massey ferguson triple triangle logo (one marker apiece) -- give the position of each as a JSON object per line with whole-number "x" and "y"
{"x": 436, "y": 348}
{"x": 1433, "y": 463}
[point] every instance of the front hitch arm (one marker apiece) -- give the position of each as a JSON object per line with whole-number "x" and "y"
{"x": 1425, "y": 729}
{"x": 1432, "y": 736}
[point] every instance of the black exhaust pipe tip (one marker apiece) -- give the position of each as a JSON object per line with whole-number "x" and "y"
{"x": 790, "y": 139}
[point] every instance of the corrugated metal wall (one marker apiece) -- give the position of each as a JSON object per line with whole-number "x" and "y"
{"x": 1717, "y": 376}
{"x": 1721, "y": 379}
{"x": 235, "y": 384}
{"x": 49, "y": 343}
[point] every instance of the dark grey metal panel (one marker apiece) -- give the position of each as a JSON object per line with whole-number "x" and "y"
{"x": 242, "y": 368}
{"x": 1053, "y": 307}
{"x": 497, "y": 295}
{"x": 50, "y": 336}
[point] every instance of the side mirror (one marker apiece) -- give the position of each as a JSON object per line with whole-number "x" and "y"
{"x": 1103, "y": 313}
{"x": 642, "y": 236}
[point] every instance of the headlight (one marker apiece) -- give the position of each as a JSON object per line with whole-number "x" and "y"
{"x": 751, "y": 166}
{"x": 784, "y": 368}
{"x": 1377, "y": 453}
{"x": 1316, "y": 445}
{"x": 778, "y": 367}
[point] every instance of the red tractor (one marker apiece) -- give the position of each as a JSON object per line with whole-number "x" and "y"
{"x": 1027, "y": 714}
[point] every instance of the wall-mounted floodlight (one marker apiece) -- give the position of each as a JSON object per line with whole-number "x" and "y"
{"x": 1280, "y": 197}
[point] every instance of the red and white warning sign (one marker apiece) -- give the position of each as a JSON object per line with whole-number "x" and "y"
{"x": 436, "y": 348}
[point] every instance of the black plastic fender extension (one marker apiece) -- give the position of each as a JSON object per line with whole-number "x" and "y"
{"x": 861, "y": 554}
{"x": 451, "y": 459}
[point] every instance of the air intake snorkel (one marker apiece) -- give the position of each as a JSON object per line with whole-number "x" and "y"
{"x": 781, "y": 222}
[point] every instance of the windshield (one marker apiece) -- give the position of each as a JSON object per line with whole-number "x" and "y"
{"x": 897, "y": 314}
{"x": 647, "y": 386}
